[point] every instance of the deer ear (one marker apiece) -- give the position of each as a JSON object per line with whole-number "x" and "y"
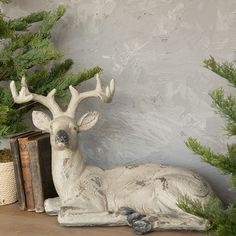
{"x": 88, "y": 120}
{"x": 41, "y": 120}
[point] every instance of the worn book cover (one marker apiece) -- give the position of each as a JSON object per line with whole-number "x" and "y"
{"x": 26, "y": 172}
{"x": 39, "y": 150}
{"x": 18, "y": 168}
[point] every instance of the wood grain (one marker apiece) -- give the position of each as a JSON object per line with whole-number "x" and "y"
{"x": 14, "y": 222}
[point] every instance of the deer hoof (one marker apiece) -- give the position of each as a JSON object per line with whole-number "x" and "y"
{"x": 125, "y": 211}
{"x": 141, "y": 226}
{"x": 52, "y": 206}
{"x": 134, "y": 217}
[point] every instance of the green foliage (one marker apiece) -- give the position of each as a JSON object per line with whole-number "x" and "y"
{"x": 49, "y": 21}
{"x": 28, "y": 51}
{"x": 226, "y": 70}
{"x": 226, "y": 107}
{"x": 5, "y": 1}
{"x": 11, "y": 121}
{"x": 5, "y": 30}
{"x": 23, "y": 23}
{"x": 25, "y": 51}
{"x": 224, "y": 162}
{"x": 222, "y": 221}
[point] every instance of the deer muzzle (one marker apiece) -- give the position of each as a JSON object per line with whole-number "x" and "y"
{"x": 62, "y": 138}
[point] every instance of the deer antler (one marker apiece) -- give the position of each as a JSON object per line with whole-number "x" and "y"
{"x": 25, "y": 96}
{"x": 76, "y": 97}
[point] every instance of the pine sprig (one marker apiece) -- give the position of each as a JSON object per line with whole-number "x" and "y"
{"x": 23, "y": 23}
{"x": 226, "y": 106}
{"x": 5, "y": 31}
{"x": 28, "y": 51}
{"x": 10, "y": 121}
{"x": 59, "y": 69}
{"x": 25, "y": 51}
{"x": 50, "y": 20}
{"x": 41, "y": 52}
{"x": 5, "y": 1}
{"x": 224, "y": 162}
{"x": 226, "y": 70}
{"x": 222, "y": 220}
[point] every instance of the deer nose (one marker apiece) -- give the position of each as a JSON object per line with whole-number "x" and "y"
{"x": 62, "y": 137}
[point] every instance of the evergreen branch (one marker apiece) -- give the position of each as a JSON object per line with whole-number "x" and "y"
{"x": 41, "y": 77}
{"x": 77, "y": 78}
{"x": 23, "y": 23}
{"x": 5, "y": 1}
{"x": 226, "y": 163}
{"x": 10, "y": 121}
{"x": 207, "y": 155}
{"x": 225, "y": 106}
{"x": 193, "y": 207}
{"x": 19, "y": 41}
{"x": 74, "y": 79}
{"x": 62, "y": 83}
{"x": 37, "y": 79}
{"x": 27, "y": 53}
{"x": 59, "y": 70}
{"x": 231, "y": 129}
{"x": 40, "y": 52}
{"x": 14, "y": 63}
{"x": 6, "y": 97}
{"x": 234, "y": 180}
{"x": 12, "y": 128}
{"x": 231, "y": 160}
{"x": 5, "y": 32}
{"x": 226, "y": 70}
{"x": 50, "y": 20}
{"x": 222, "y": 220}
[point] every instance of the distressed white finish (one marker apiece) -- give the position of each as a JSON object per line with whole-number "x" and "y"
{"x": 154, "y": 49}
{"x": 144, "y": 196}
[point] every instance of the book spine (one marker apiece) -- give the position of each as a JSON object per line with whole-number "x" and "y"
{"x": 25, "y": 163}
{"x": 18, "y": 173}
{"x": 36, "y": 176}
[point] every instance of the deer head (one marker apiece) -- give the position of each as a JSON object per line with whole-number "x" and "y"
{"x": 63, "y": 127}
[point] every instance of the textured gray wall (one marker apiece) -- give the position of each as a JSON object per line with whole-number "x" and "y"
{"x": 154, "y": 50}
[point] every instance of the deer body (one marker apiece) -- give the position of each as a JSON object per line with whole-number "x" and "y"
{"x": 148, "y": 188}
{"x": 143, "y": 196}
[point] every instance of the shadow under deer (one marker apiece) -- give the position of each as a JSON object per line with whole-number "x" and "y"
{"x": 144, "y": 197}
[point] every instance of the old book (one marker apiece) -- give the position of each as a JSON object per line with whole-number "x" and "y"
{"x": 39, "y": 149}
{"x": 26, "y": 173}
{"x": 17, "y": 167}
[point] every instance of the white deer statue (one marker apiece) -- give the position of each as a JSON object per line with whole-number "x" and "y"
{"x": 142, "y": 196}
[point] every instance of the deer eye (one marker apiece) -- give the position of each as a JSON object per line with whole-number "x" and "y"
{"x": 73, "y": 127}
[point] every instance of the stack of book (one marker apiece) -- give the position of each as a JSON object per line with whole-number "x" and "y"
{"x": 31, "y": 153}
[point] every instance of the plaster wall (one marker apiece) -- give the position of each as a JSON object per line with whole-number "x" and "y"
{"x": 154, "y": 50}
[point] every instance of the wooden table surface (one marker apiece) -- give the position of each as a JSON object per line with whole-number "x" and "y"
{"x": 14, "y": 222}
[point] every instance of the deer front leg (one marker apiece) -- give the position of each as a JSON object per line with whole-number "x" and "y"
{"x": 72, "y": 216}
{"x": 166, "y": 222}
{"x": 163, "y": 221}
{"x": 52, "y": 206}
{"x": 177, "y": 221}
